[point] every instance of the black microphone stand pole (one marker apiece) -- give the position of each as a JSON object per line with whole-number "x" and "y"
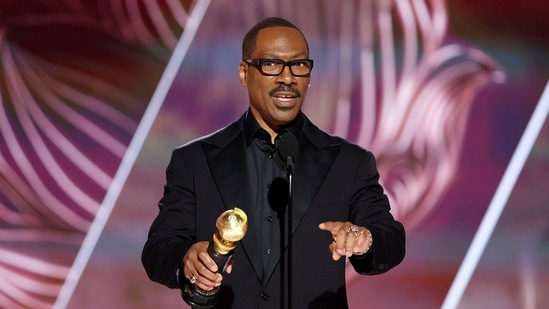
{"x": 287, "y": 152}
{"x": 289, "y": 175}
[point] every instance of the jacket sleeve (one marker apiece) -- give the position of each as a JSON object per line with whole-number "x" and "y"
{"x": 370, "y": 208}
{"x": 173, "y": 231}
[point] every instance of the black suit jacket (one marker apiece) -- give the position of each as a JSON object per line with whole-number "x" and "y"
{"x": 333, "y": 180}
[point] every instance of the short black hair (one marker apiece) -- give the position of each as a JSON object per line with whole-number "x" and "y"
{"x": 250, "y": 39}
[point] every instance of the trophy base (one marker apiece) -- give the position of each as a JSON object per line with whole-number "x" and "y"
{"x": 198, "y": 298}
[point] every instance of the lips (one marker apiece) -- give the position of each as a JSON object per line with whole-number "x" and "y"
{"x": 285, "y": 95}
{"x": 285, "y": 98}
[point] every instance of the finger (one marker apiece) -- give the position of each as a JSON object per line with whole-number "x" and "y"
{"x": 208, "y": 261}
{"x": 358, "y": 239}
{"x": 229, "y": 267}
{"x": 205, "y": 284}
{"x": 206, "y": 270}
{"x": 205, "y": 278}
{"x": 341, "y": 241}
{"x": 363, "y": 243}
{"x": 325, "y": 226}
{"x": 360, "y": 242}
{"x": 331, "y": 226}
{"x": 350, "y": 243}
{"x": 335, "y": 256}
{"x": 197, "y": 263}
{"x": 191, "y": 260}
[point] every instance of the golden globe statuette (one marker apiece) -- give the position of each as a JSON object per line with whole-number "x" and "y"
{"x": 232, "y": 226}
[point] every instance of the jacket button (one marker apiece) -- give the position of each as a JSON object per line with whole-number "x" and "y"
{"x": 265, "y": 296}
{"x": 381, "y": 266}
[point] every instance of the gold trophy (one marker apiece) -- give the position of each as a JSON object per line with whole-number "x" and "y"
{"x": 232, "y": 226}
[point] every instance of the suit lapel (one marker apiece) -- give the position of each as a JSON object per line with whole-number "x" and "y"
{"x": 310, "y": 171}
{"x": 225, "y": 156}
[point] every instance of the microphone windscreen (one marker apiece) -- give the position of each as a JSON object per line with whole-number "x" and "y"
{"x": 286, "y": 144}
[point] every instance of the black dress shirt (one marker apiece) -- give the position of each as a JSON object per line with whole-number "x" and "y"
{"x": 270, "y": 192}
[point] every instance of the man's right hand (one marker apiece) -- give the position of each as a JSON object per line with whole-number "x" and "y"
{"x": 198, "y": 263}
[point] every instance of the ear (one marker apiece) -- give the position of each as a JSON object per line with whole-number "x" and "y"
{"x": 243, "y": 73}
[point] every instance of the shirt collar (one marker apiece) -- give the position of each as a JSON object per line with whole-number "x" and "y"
{"x": 252, "y": 128}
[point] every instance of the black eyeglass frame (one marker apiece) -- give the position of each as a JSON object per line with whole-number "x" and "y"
{"x": 258, "y": 63}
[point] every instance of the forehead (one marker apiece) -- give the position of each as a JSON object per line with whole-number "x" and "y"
{"x": 280, "y": 42}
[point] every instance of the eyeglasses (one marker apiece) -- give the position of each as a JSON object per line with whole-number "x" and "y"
{"x": 274, "y": 67}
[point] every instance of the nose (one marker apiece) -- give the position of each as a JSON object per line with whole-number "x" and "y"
{"x": 286, "y": 77}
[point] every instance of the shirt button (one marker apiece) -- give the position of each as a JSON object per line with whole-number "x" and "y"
{"x": 268, "y": 251}
{"x": 265, "y": 296}
{"x": 270, "y": 218}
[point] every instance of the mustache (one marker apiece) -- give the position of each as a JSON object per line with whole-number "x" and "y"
{"x": 284, "y": 88}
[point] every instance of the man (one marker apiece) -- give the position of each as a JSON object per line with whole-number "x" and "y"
{"x": 338, "y": 208}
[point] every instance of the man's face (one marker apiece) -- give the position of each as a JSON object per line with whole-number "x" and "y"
{"x": 276, "y": 100}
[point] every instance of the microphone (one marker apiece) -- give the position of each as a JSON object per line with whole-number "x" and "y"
{"x": 286, "y": 151}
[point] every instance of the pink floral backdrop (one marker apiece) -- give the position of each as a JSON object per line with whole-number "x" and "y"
{"x": 95, "y": 94}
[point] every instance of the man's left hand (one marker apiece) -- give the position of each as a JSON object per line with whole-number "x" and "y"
{"x": 347, "y": 238}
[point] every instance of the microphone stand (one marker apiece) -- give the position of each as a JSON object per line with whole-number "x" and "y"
{"x": 287, "y": 151}
{"x": 289, "y": 175}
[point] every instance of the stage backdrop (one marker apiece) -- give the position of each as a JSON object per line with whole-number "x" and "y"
{"x": 94, "y": 95}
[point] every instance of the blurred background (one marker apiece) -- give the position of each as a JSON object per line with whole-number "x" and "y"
{"x": 94, "y": 95}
